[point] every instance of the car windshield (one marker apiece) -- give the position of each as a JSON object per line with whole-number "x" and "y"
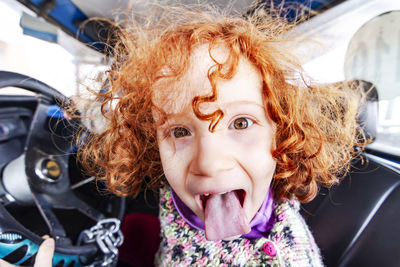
{"x": 63, "y": 67}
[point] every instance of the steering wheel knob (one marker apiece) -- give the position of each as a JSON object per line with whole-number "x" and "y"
{"x": 48, "y": 170}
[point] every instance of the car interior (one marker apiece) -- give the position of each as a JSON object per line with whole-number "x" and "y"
{"x": 355, "y": 223}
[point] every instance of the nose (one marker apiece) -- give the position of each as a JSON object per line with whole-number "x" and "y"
{"x": 212, "y": 155}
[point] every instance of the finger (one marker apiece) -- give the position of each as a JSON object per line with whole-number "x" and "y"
{"x": 44, "y": 256}
{"x": 5, "y": 264}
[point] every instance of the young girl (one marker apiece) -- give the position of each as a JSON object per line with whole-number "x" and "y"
{"x": 213, "y": 111}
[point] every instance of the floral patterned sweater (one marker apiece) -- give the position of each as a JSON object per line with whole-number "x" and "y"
{"x": 289, "y": 242}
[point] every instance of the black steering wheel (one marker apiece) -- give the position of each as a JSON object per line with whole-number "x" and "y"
{"x": 40, "y": 177}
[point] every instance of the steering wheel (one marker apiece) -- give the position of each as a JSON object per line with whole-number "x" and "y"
{"x": 40, "y": 178}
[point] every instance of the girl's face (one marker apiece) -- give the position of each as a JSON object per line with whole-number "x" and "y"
{"x": 236, "y": 156}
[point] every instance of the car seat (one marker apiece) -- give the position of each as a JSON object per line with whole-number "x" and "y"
{"x": 356, "y": 223}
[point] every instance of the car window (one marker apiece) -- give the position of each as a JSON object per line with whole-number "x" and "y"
{"x": 374, "y": 55}
{"x": 360, "y": 40}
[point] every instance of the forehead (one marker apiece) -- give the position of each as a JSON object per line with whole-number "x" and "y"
{"x": 175, "y": 96}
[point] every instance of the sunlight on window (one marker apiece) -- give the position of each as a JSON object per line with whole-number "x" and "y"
{"x": 39, "y": 59}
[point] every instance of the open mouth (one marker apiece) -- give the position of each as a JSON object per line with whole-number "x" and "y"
{"x": 240, "y": 194}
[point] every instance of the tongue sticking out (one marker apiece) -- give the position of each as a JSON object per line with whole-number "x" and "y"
{"x": 225, "y": 217}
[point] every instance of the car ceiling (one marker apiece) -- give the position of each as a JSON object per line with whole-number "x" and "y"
{"x": 70, "y": 15}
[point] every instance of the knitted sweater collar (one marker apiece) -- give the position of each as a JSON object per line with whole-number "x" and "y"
{"x": 289, "y": 242}
{"x": 260, "y": 225}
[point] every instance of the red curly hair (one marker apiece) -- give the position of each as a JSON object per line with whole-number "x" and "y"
{"x": 316, "y": 127}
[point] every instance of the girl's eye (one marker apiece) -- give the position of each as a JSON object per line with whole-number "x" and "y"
{"x": 241, "y": 123}
{"x": 179, "y": 132}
